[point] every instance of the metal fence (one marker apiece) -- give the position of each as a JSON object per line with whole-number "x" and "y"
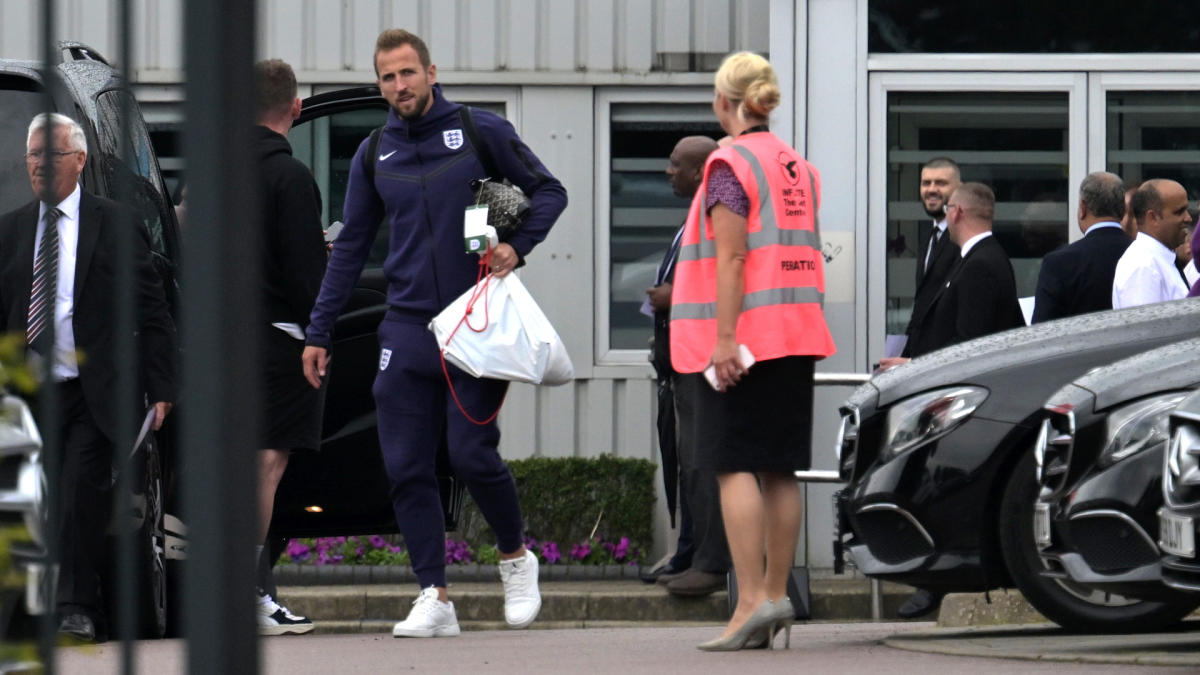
{"x": 217, "y": 404}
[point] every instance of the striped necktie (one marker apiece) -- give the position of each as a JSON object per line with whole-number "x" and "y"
{"x": 44, "y": 290}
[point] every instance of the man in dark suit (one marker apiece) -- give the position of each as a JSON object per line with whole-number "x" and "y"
{"x": 980, "y": 296}
{"x": 1078, "y": 278}
{"x": 57, "y": 281}
{"x": 937, "y": 253}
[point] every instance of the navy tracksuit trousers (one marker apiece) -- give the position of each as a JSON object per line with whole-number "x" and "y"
{"x": 414, "y": 407}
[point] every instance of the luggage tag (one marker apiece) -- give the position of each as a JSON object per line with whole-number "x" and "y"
{"x": 477, "y": 234}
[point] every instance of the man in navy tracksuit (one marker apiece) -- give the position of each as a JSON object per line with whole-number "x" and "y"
{"x": 423, "y": 167}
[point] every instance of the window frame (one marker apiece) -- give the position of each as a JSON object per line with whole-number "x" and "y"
{"x": 605, "y": 99}
{"x": 881, "y": 84}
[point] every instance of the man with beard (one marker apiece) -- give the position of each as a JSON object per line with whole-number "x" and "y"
{"x": 416, "y": 177}
{"x": 940, "y": 177}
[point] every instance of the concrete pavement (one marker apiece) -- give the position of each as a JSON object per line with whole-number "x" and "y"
{"x": 343, "y": 608}
{"x": 816, "y": 647}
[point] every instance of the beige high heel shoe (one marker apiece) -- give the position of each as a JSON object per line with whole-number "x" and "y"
{"x": 763, "y": 619}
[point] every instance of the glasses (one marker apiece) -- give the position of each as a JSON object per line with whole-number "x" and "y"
{"x": 949, "y": 207}
{"x": 41, "y": 155}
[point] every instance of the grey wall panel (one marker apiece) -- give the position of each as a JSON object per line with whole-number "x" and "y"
{"x": 672, "y": 23}
{"x": 712, "y": 23}
{"x": 479, "y": 25}
{"x": 281, "y": 32}
{"x": 325, "y": 34}
{"x": 518, "y": 422}
{"x": 556, "y": 421}
{"x": 595, "y": 414}
{"x": 518, "y": 40}
{"x": 557, "y": 125}
{"x": 442, "y": 35}
{"x": 597, "y": 35}
{"x": 558, "y": 38}
{"x": 634, "y": 35}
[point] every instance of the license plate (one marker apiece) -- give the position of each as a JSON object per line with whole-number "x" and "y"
{"x": 1041, "y": 524}
{"x": 1176, "y": 534}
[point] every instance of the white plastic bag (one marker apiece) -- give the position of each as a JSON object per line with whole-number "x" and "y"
{"x": 506, "y": 336}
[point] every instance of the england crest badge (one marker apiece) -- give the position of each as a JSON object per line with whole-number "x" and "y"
{"x": 453, "y": 138}
{"x": 385, "y": 356}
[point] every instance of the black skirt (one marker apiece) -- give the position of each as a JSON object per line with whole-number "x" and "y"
{"x": 764, "y": 423}
{"x": 292, "y": 409}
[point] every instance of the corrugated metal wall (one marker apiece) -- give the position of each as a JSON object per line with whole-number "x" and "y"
{"x": 328, "y": 36}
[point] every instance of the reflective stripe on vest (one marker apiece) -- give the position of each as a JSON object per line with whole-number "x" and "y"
{"x": 771, "y": 296}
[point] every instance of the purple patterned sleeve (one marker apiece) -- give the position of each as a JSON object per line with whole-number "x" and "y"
{"x": 723, "y": 187}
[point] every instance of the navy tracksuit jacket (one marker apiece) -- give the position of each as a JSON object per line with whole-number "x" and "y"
{"x": 423, "y": 171}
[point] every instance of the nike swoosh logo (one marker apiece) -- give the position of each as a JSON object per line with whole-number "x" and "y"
{"x": 383, "y": 157}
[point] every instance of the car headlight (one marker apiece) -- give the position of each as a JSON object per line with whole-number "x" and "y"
{"x": 1138, "y": 426}
{"x": 928, "y": 416}
{"x": 31, "y": 480}
{"x": 18, "y": 432}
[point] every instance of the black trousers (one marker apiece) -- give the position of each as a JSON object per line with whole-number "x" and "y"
{"x": 84, "y": 503}
{"x": 701, "y": 492}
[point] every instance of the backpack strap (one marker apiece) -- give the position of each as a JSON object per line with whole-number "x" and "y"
{"x": 481, "y": 148}
{"x": 372, "y": 155}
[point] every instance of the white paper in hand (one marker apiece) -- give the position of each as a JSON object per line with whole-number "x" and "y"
{"x": 509, "y": 340}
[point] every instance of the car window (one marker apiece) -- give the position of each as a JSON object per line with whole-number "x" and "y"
{"x": 20, "y": 100}
{"x": 140, "y": 170}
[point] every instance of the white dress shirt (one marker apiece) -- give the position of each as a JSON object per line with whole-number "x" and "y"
{"x": 1146, "y": 273}
{"x": 970, "y": 243}
{"x": 65, "y": 364}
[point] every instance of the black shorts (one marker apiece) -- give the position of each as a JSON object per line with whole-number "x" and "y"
{"x": 293, "y": 409}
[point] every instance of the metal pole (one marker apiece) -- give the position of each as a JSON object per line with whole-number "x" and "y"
{"x": 126, "y": 359}
{"x": 220, "y": 336}
{"x": 876, "y": 600}
{"x": 49, "y": 402}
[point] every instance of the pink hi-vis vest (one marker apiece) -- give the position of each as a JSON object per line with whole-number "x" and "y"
{"x": 784, "y": 272}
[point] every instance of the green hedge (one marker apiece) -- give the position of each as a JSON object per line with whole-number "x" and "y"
{"x": 562, "y": 498}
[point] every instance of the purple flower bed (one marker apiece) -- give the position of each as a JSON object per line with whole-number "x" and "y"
{"x": 375, "y": 550}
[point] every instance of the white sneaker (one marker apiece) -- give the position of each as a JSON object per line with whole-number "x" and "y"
{"x": 275, "y": 619}
{"x": 429, "y": 617}
{"x": 521, "y": 598}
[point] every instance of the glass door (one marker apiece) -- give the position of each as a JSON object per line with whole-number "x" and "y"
{"x": 1151, "y": 126}
{"x": 1022, "y": 134}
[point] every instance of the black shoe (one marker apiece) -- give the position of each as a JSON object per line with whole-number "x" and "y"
{"x": 922, "y": 602}
{"x": 655, "y": 574}
{"x": 695, "y": 583}
{"x": 78, "y": 626}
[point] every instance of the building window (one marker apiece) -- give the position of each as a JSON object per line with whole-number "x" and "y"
{"x": 1032, "y": 26}
{"x": 1015, "y": 142}
{"x": 1154, "y": 134}
{"x": 644, "y": 214}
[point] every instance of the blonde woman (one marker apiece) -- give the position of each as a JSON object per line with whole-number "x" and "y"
{"x": 746, "y": 307}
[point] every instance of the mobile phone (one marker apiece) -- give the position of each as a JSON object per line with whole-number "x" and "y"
{"x": 335, "y": 228}
{"x": 744, "y": 357}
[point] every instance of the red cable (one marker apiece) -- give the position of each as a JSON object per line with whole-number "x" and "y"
{"x": 480, "y": 291}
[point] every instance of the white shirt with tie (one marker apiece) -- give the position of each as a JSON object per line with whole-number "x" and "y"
{"x": 1146, "y": 273}
{"x": 65, "y": 364}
